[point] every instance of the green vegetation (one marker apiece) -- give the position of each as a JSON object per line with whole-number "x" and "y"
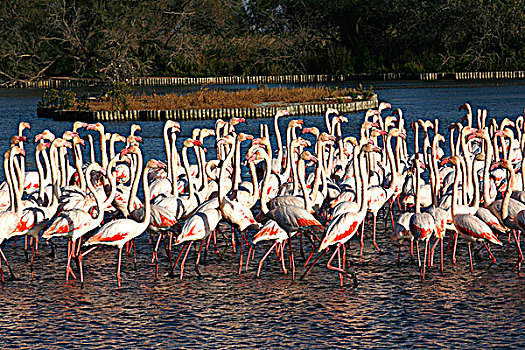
{"x": 119, "y": 98}
{"x": 116, "y": 40}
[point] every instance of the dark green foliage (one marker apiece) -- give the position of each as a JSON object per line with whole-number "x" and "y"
{"x": 63, "y": 99}
{"x": 118, "y": 96}
{"x": 117, "y": 40}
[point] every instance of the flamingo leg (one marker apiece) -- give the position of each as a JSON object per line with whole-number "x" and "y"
{"x": 470, "y": 258}
{"x": 339, "y": 264}
{"x": 89, "y": 250}
{"x": 338, "y": 269}
{"x": 69, "y": 270}
{"x": 198, "y": 259}
{"x": 441, "y": 254}
{"x": 315, "y": 262}
{"x": 418, "y": 259}
{"x": 454, "y": 249}
{"x": 292, "y": 261}
{"x": 1, "y": 270}
{"x": 412, "y": 249}
{"x": 206, "y": 249}
{"x": 312, "y": 252}
{"x": 215, "y": 245}
{"x": 427, "y": 246}
{"x": 490, "y": 253}
{"x": 134, "y": 256}
{"x": 170, "y": 244}
{"x": 177, "y": 261}
{"x": 301, "y": 245}
{"x": 374, "y": 240}
{"x": 32, "y": 260}
{"x": 241, "y": 255}
{"x": 432, "y": 250}
{"x": 233, "y": 240}
{"x": 264, "y": 258}
{"x": 118, "y": 266}
{"x": 184, "y": 260}
{"x": 362, "y": 239}
{"x": 285, "y": 271}
{"x": 154, "y": 258}
{"x": 520, "y": 253}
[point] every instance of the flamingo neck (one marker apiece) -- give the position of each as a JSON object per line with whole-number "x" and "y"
{"x": 135, "y": 185}
{"x": 222, "y": 176}
{"x": 168, "y": 151}
{"x": 279, "y": 141}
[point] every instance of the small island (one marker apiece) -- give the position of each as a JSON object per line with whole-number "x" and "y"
{"x": 118, "y": 104}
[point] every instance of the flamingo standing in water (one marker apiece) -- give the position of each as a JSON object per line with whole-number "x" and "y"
{"x": 470, "y": 227}
{"x": 344, "y": 226}
{"x": 118, "y": 232}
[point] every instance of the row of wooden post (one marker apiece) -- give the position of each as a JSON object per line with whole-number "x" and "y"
{"x": 273, "y": 79}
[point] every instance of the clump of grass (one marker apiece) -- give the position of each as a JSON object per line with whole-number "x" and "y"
{"x": 248, "y": 98}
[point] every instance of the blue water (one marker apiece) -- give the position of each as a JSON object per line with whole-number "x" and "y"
{"x": 389, "y": 307}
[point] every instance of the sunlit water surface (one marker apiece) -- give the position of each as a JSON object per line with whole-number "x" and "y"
{"x": 389, "y": 307}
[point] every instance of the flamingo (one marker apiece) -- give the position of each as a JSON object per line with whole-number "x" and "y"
{"x": 470, "y": 227}
{"x": 118, "y": 232}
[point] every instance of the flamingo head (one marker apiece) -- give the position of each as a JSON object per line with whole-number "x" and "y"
{"x": 378, "y": 132}
{"x": 306, "y": 155}
{"x": 77, "y": 140}
{"x": 192, "y": 143}
{"x": 506, "y": 122}
{"x": 155, "y": 164}
{"x": 330, "y": 111}
{"x": 25, "y": 125}
{"x": 69, "y": 135}
{"x": 281, "y": 113}
{"x": 369, "y": 147}
{"x": 16, "y": 139}
{"x": 395, "y": 132}
{"x": 244, "y": 137}
{"x": 15, "y": 150}
{"x": 136, "y": 127}
{"x": 42, "y": 146}
{"x": 296, "y": 123}
{"x": 368, "y": 125}
{"x": 97, "y": 126}
{"x": 235, "y": 121}
{"x": 384, "y": 105}
{"x": 132, "y": 149}
{"x": 59, "y": 142}
{"x": 46, "y": 134}
{"x": 79, "y": 125}
{"x": 351, "y": 139}
{"x": 207, "y": 132}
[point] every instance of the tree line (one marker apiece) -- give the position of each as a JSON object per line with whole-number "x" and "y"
{"x": 119, "y": 39}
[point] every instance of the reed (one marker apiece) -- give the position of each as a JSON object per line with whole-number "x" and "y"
{"x": 246, "y": 98}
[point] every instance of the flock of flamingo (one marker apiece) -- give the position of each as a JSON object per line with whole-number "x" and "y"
{"x": 182, "y": 204}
